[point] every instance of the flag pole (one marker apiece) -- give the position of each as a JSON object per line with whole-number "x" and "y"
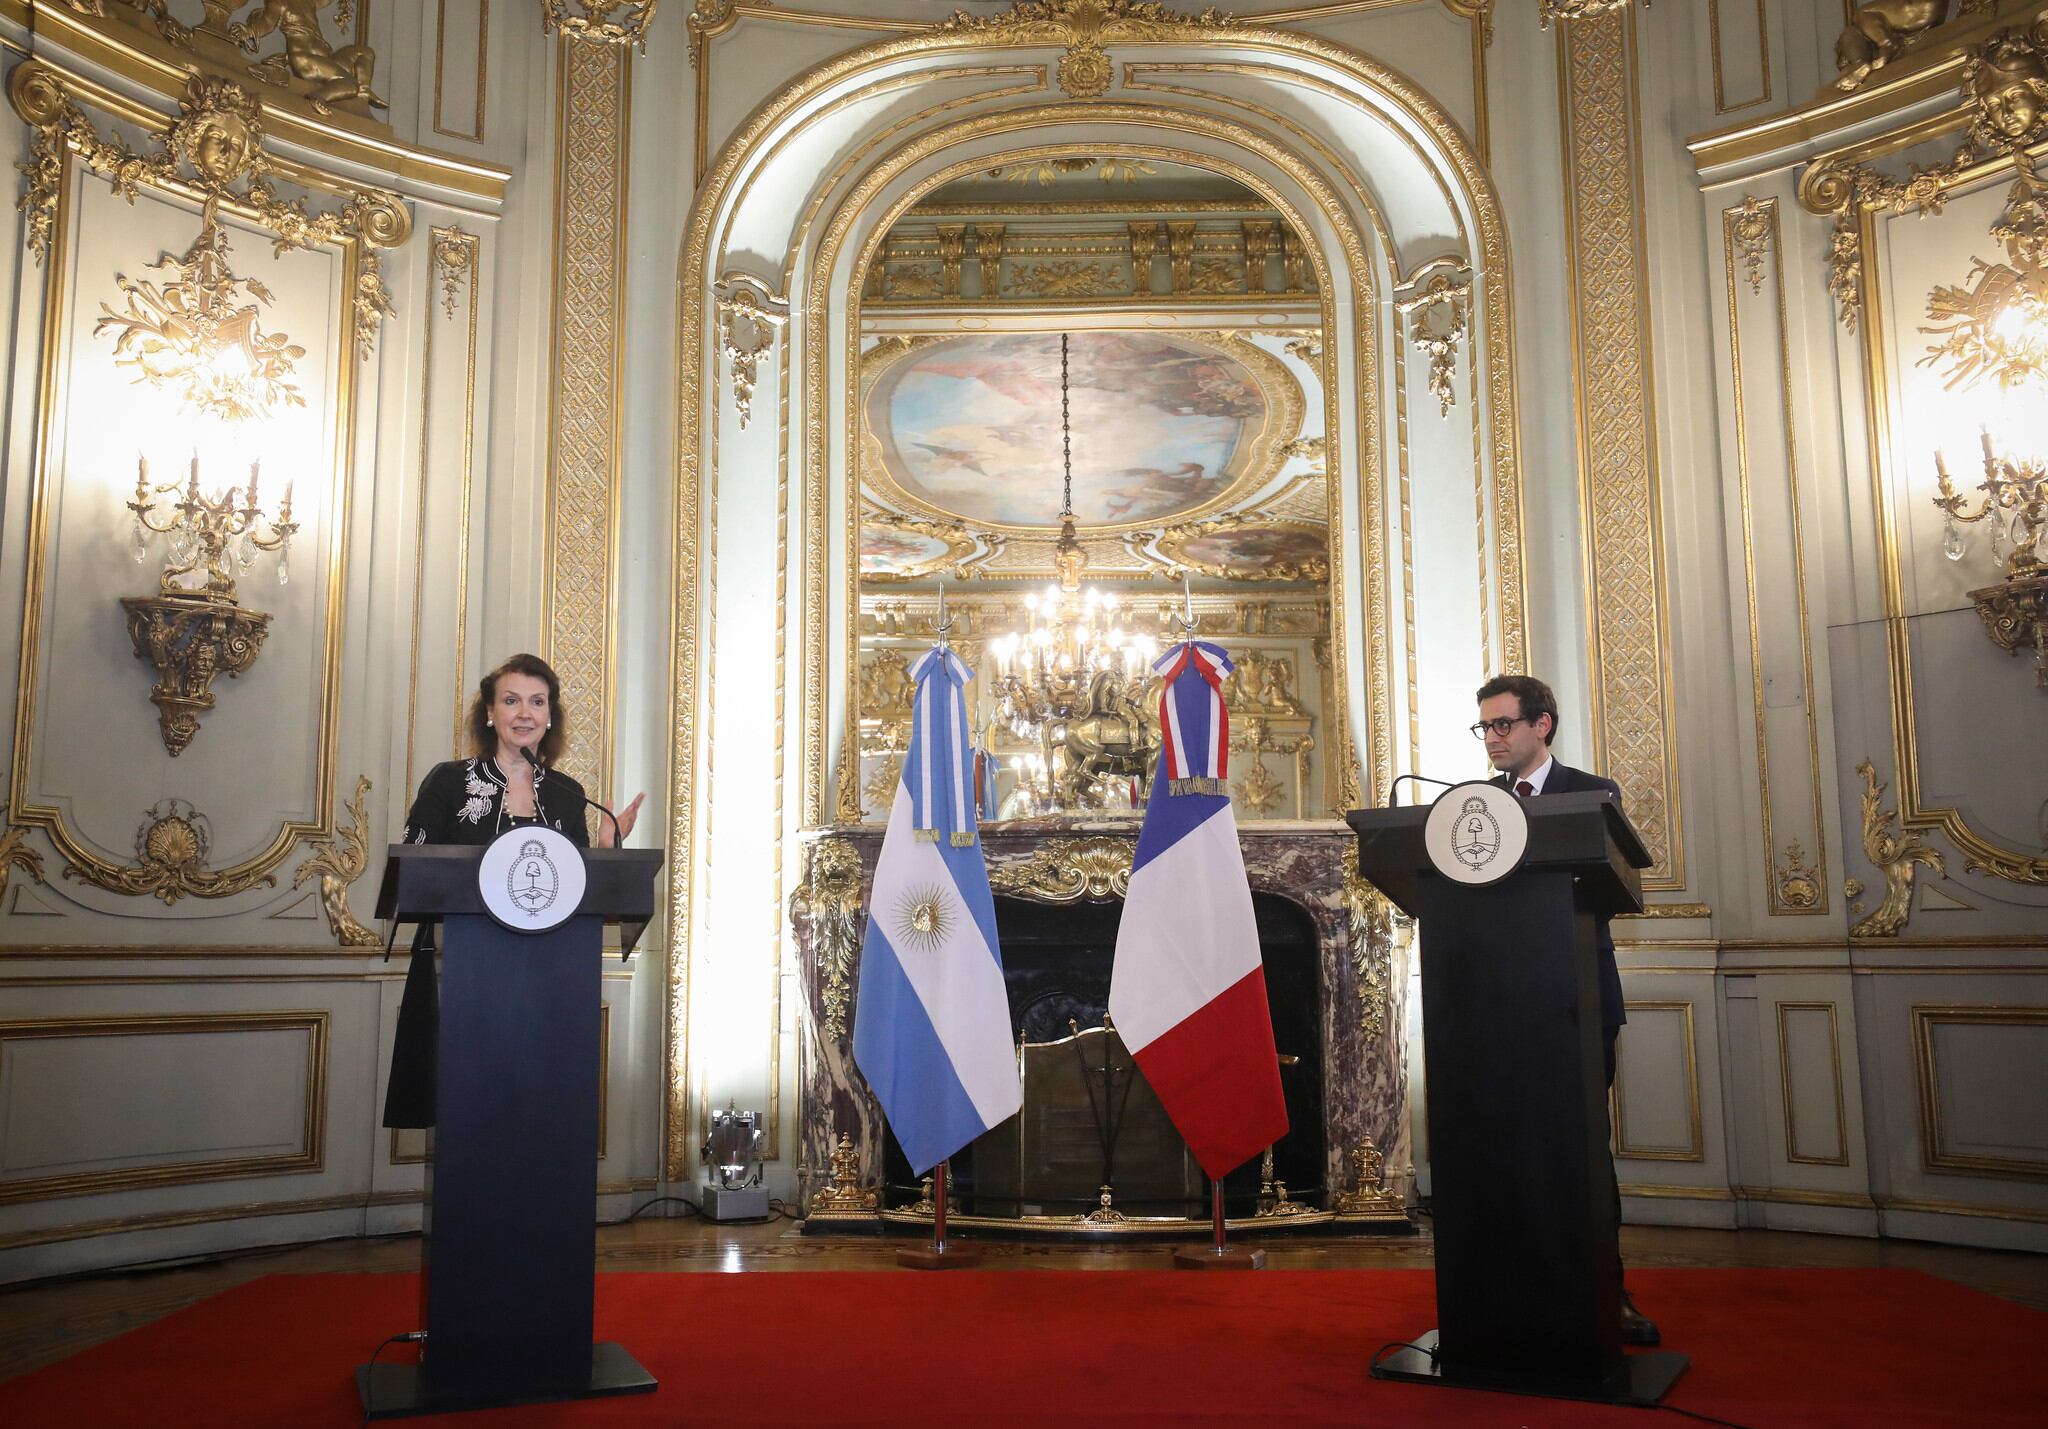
{"x": 939, "y": 1255}
{"x": 1218, "y": 1255}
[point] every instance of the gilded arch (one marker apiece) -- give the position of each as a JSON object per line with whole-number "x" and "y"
{"x": 1015, "y": 63}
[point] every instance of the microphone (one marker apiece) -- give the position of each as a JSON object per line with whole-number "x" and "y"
{"x": 618, "y": 840}
{"x": 1400, "y": 779}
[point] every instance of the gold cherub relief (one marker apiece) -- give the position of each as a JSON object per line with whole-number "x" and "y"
{"x": 1880, "y": 32}
{"x": 335, "y": 74}
{"x": 310, "y": 65}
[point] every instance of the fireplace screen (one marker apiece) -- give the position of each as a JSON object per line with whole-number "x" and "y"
{"x": 1090, "y": 1121}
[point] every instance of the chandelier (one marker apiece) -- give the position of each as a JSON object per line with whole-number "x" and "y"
{"x": 1070, "y": 679}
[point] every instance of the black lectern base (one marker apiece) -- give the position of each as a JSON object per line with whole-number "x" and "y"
{"x": 392, "y": 1391}
{"x": 1647, "y": 1380}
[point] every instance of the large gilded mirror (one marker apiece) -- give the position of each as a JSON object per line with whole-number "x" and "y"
{"x": 1090, "y": 399}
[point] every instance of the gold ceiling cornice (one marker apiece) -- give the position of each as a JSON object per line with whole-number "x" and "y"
{"x": 338, "y": 137}
{"x": 1924, "y": 78}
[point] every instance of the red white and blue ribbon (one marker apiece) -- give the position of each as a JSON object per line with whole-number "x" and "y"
{"x": 1193, "y": 722}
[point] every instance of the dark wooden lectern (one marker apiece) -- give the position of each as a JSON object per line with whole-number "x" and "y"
{"x": 508, "y": 1260}
{"x": 1527, "y": 1290}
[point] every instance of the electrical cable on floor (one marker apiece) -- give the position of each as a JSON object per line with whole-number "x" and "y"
{"x": 1381, "y": 1353}
{"x": 409, "y": 1337}
{"x": 695, "y": 1209}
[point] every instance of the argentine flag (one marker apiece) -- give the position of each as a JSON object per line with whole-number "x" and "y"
{"x": 1188, "y": 989}
{"x": 932, "y": 1025}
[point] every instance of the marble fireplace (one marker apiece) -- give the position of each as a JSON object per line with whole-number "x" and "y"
{"x": 1333, "y": 974}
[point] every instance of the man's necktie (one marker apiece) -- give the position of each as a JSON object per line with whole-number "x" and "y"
{"x": 1524, "y": 788}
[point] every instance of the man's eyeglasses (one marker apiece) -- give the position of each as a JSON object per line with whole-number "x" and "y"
{"x": 1499, "y": 726}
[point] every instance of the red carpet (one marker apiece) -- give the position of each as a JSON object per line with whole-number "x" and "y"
{"x": 1769, "y": 1347}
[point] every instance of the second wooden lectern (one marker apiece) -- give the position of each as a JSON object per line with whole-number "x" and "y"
{"x": 1527, "y": 1284}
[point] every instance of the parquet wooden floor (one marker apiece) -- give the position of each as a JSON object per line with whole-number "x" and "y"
{"x": 43, "y": 1323}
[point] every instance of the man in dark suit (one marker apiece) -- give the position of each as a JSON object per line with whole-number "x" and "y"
{"x": 1518, "y": 720}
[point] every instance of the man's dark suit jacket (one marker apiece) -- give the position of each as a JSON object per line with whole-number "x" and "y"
{"x": 1564, "y": 779}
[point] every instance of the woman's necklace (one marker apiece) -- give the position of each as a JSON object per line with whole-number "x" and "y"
{"x": 531, "y": 783}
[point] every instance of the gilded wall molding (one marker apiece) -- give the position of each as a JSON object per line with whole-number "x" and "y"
{"x": 454, "y": 253}
{"x": 1439, "y": 321}
{"x": 2000, "y": 111}
{"x": 337, "y": 863}
{"x": 1750, "y": 235}
{"x": 594, "y": 95}
{"x": 475, "y": 133}
{"x": 603, "y": 22}
{"x": 751, "y": 315}
{"x": 1628, "y": 640}
{"x": 1895, "y": 856}
{"x": 1095, "y": 870}
{"x": 1748, "y": 230}
{"x": 15, "y": 853}
{"x": 765, "y": 131}
{"x": 456, "y": 257}
{"x": 311, "y": 1155}
{"x": 212, "y": 152}
{"x": 325, "y": 73}
{"x": 1937, "y": 1153}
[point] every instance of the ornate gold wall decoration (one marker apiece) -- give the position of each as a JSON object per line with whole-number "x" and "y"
{"x": 1084, "y": 27}
{"x": 193, "y": 629}
{"x": 1174, "y": 541}
{"x": 1439, "y": 320}
{"x": 608, "y": 22}
{"x": 326, "y": 75}
{"x": 212, "y": 151}
{"x": 310, "y": 65}
{"x": 1069, "y": 279}
{"x": 2004, "y": 101}
{"x": 1798, "y": 881}
{"x": 828, "y": 898}
{"x": 1259, "y": 792}
{"x": 1567, "y": 10}
{"x": 191, "y": 334}
{"x": 1749, "y": 230}
{"x": 886, "y": 686}
{"x": 171, "y": 848}
{"x": 1308, "y": 349}
{"x": 749, "y": 317}
{"x": 15, "y": 853}
{"x": 337, "y": 863}
{"x": 454, "y": 256}
{"x": 1632, "y": 707}
{"x": 190, "y": 640}
{"x": 1879, "y": 32}
{"x": 1373, "y": 920}
{"x": 1893, "y": 855}
{"x": 1068, "y": 871}
{"x": 586, "y": 407}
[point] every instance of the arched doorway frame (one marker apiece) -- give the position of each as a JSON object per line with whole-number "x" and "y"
{"x": 886, "y": 158}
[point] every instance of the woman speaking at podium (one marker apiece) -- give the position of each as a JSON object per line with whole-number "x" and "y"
{"x": 518, "y": 727}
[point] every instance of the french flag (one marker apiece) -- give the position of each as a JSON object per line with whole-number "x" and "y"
{"x": 1188, "y": 991}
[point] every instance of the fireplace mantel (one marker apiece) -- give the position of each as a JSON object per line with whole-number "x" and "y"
{"x": 1310, "y": 863}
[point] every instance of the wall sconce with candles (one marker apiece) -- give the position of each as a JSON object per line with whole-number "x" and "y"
{"x": 2015, "y": 506}
{"x": 1996, "y": 331}
{"x": 194, "y": 628}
